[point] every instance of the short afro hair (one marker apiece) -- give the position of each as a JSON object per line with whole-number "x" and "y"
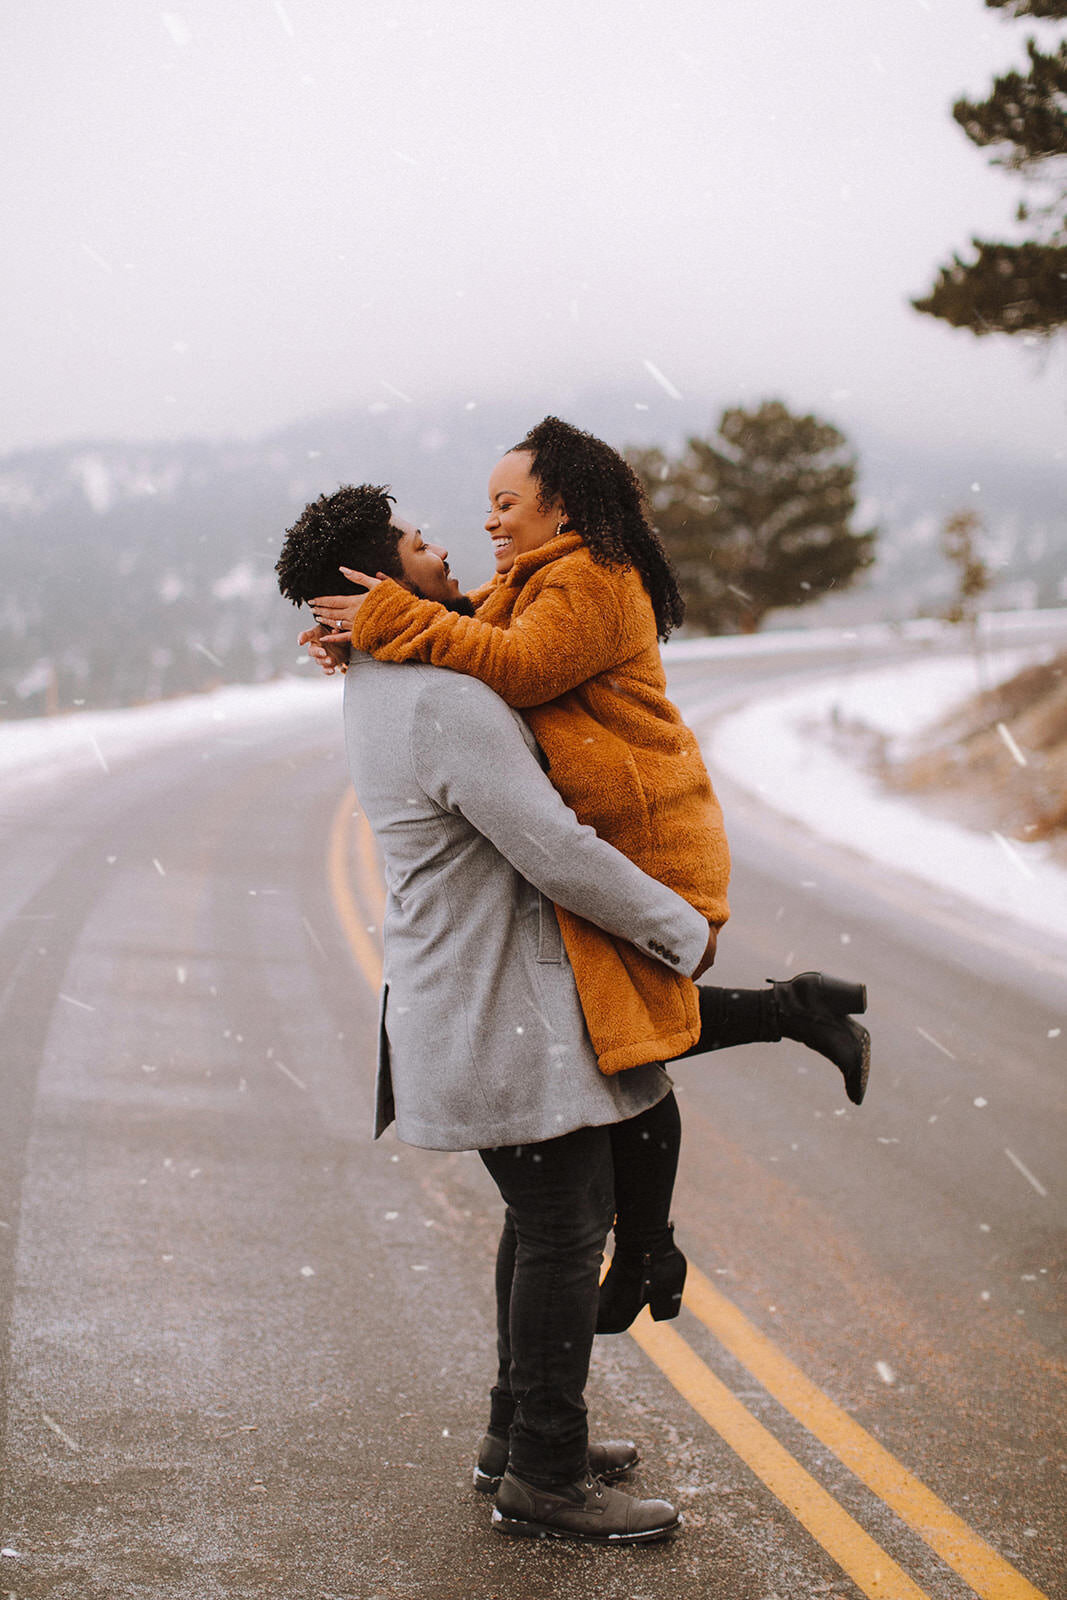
{"x": 351, "y": 527}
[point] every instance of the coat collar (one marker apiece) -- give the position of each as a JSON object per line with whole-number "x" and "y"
{"x": 564, "y": 544}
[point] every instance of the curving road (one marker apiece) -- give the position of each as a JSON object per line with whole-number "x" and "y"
{"x": 245, "y": 1350}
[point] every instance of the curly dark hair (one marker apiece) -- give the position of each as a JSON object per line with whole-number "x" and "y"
{"x": 351, "y": 527}
{"x": 604, "y": 503}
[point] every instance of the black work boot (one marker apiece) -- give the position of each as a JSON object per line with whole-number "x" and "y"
{"x": 586, "y": 1510}
{"x": 815, "y": 1010}
{"x": 610, "y": 1460}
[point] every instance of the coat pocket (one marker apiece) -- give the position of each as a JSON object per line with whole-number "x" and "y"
{"x": 549, "y": 941}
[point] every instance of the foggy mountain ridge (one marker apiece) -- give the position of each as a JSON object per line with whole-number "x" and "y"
{"x": 139, "y": 570}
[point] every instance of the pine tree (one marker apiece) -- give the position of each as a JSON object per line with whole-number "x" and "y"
{"x": 1017, "y": 288}
{"x": 757, "y": 517}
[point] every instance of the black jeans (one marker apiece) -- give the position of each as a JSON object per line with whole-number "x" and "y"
{"x": 560, "y": 1202}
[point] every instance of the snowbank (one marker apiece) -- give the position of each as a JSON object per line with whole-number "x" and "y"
{"x": 773, "y": 748}
{"x": 93, "y": 740}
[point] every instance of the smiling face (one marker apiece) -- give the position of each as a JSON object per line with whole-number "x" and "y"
{"x": 517, "y": 520}
{"x": 425, "y": 565}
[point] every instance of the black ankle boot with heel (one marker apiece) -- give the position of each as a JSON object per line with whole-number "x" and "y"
{"x": 654, "y": 1277}
{"x": 816, "y": 1010}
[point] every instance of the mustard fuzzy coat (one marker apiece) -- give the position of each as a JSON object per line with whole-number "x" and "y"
{"x": 574, "y": 646}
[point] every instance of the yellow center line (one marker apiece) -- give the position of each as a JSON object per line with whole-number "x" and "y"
{"x": 353, "y": 921}
{"x": 988, "y": 1574}
{"x": 871, "y": 1570}
{"x": 874, "y": 1572}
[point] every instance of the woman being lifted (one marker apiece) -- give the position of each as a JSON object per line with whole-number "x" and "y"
{"x": 567, "y": 631}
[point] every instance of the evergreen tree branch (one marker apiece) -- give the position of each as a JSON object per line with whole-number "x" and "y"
{"x": 1007, "y": 288}
{"x": 1039, "y": 9}
{"x": 1027, "y": 112}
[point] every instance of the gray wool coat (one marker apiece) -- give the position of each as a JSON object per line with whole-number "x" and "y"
{"x": 482, "y": 1040}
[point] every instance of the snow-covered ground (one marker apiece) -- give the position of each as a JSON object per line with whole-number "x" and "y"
{"x": 997, "y": 630}
{"x": 775, "y": 747}
{"x": 53, "y": 748}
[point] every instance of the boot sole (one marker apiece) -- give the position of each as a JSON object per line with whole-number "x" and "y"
{"x": 860, "y": 1083}
{"x": 545, "y": 1530}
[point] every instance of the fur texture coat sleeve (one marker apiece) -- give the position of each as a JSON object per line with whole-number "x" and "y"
{"x": 572, "y": 628}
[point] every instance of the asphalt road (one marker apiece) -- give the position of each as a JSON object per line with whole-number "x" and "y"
{"x": 245, "y": 1351}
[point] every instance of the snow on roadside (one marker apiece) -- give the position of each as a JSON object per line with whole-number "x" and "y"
{"x": 904, "y": 699}
{"x": 91, "y": 741}
{"x": 997, "y": 630}
{"x": 772, "y": 747}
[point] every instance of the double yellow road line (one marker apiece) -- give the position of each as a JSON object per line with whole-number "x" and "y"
{"x": 359, "y": 897}
{"x": 867, "y": 1564}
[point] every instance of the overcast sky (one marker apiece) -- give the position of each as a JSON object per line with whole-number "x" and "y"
{"x": 232, "y": 213}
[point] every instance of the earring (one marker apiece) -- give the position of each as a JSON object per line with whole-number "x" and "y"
{"x": 560, "y": 525}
